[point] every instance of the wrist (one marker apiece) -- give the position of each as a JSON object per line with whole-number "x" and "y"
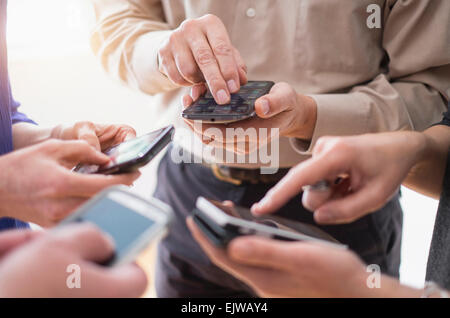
{"x": 306, "y": 118}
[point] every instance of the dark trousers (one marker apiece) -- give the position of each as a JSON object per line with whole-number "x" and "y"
{"x": 183, "y": 270}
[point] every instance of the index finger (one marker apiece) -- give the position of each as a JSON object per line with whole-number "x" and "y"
{"x": 206, "y": 61}
{"x": 306, "y": 173}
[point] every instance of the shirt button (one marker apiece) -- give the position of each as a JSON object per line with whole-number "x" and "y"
{"x": 251, "y": 12}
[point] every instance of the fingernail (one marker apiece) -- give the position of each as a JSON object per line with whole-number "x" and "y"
{"x": 222, "y": 97}
{"x": 232, "y": 86}
{"x": 323, "y": 217}
{"x": 265, "y": 108}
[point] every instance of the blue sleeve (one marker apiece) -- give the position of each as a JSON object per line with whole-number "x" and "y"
{"x": 18, "y": 117}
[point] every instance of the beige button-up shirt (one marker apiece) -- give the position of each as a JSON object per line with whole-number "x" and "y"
{"x": 363, "y": 79}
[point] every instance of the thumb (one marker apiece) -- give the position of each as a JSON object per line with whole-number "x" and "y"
{"x": 77, "y": 151}
{"x": 280, "y": 98}
{"x": 14, "y": 238}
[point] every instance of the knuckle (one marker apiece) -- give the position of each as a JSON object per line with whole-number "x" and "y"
{"x": 222, "y": 48}
{"x": 188, "y": 70}
{"x": 188, "y": 25}
{"x": 210, "y": 18}
{"x": 204, "y": 56}
{"x": 83, "y": 124}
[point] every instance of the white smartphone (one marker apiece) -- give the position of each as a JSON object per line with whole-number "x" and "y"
{"x": 131, "y": 221}
{"x": 222, "y": 223}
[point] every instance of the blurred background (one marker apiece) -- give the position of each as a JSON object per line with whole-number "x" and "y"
{"x": 58, "y": 80}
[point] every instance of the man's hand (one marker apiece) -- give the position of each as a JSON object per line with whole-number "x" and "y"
{"x": 200, "y": 51}
{"x": 281, "y": 269}
{"x": 293, "y": 114}
{"x": 101, "y": 137}
{"x": 37, "y": 184}
{"x": 38, "y": 268}
{"x": 370, "y": 167}
{"x": 275, "y": 268}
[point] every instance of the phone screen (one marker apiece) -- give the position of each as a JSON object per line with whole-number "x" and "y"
{"x": 121, "y": 221}
{"x": 132, "y": 149}
{"x": 125, "y": 152}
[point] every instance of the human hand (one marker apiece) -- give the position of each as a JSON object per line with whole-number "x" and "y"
{"x": 200, "y": 51}
{"x": 292, "y": 114}
{"x": 39, "y": 267}
{"x": 100, "y": 136}
{"x": 37, "y": 184}
{"x": 289, "y": 269}
{"x": 371, "y": 168}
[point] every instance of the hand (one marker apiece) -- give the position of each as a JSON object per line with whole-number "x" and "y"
{"x": 199, "y": 51}
{"x": 101, "y": 137}
{"x": 12, "y": 239}
{"x": 372, "y": 168}
{"x": 287, "y": 269}
{"x": 293, "y": 114}
{"x": 37, "y": 184}
{"x": 39, "y": 267}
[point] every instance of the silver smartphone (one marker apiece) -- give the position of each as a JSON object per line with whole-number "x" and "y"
{"x": 132, "y": 221}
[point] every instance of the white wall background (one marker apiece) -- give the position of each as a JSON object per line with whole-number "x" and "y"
{"x": 58, "y": 80}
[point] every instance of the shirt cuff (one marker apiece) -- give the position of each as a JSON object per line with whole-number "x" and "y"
{"x": 18, "y": 117}
{"x": 337, "y": 115}
{"x": 144, "y": 63}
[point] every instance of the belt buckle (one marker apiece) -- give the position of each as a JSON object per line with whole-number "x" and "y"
{"x": 219, "y": 175}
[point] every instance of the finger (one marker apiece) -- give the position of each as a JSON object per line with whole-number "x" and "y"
{"x": 262, "y": 252}
{"x": 223, "y": 51}
{"x": 171, "y": 70}
{"x": 14, "y": 238}
{"x": 73, "y": 152}
{"x": 313, "y": 199}
{"x": 87, "y": 185}
{"x": 306, "y": 173}
{"x": 207, "y": 63}
{"x": 228, "y": 203}
{"x": 252, "y": 276}
{"x": 103, "y": 282}
{"x": 198, "y": 90}
{"x": 85, "y": 240}
{"x": 280, "y": 98}
{"x": 184, "y": 60}
{"x": 354, "y": 205}
{"x": 86, "y": 131}
{"x": 187, "y": 101}
{"x": 111, "y": 135}
{"x": 241, "y": 64}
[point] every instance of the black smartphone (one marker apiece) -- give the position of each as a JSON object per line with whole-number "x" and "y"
{"x": 242, "y": 105}
{"x": 130, "y": 220}
{"x": 133, "y": 154}
{"x": 221, "y": 224}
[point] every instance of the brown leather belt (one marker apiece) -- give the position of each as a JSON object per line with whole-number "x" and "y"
{"x": 237, "y": 176}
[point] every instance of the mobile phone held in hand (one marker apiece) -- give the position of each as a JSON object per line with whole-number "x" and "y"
{"x": 133, "y": 154}
{"x": 222, "y": 223}
{"x": 242, "y": 105}
{"x": 131, "y": 221}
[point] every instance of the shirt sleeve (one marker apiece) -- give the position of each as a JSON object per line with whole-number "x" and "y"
{"x": 413, "y": 91}
{"x": 126, "y": 39}
{"x": 18, "y": 117}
